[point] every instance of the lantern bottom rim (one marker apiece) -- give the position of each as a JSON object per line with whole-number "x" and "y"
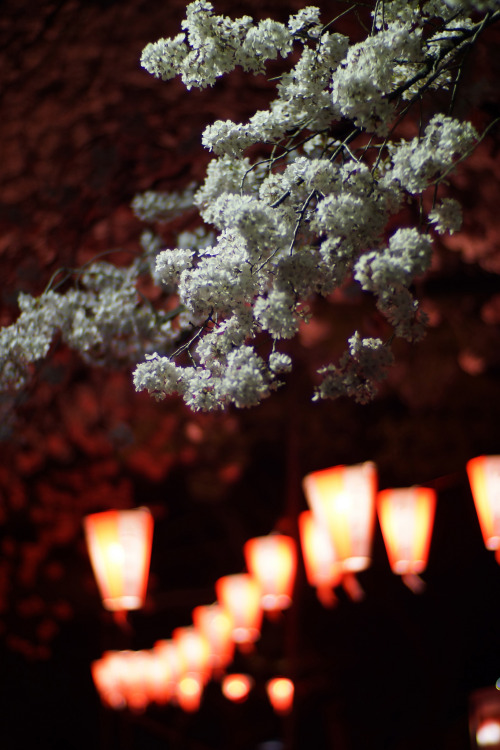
{"x": 493, "y": 542}
{"x": 270, "y": 602}
{"x": 245, "y": 635}
{"x": 406, "y": 567}
{"x": 121, "y": 603}
{"x": 355, "y": 564}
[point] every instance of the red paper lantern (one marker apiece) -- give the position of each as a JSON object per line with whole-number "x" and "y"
{"x": 214, "y": 623}
{"x": 272, "y": 561}
{"x": 280, "y": 691}
{"x": 167, "y": 653}
{"x": 239, "y": 595}
{"x": 120, "y": 677}
{"x": 135, "y": 669}
{"x": 119, "y": 544}
{"x": 236, "y": 687}
{"x": 343, "y": 499}
{"x": 406, "y": 517}
{"x": 157, "y": 678}
{"x": 189, "y": 692}
{"x": 484, "y": 478}
{"x": 323, "y": 568}
{"x": 108, "y": 679}
{"x": 488, "y": 734}
{"x": 194, "y": 652}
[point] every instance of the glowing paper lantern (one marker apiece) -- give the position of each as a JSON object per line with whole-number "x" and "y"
{"x": 108, "y": 679}
{"x": 167, "y": 653}
{"x": 157, "y": 677}
{"x": 135, "y": 688}
{"x": 488, "y": 733}
{"x": 323, "y": 569}
{"x": 484, "y": 478}
{"x": 119, "y": 544}
{"x": 194, "y": 652}
{"x": 214, "y": 623}
{"x": 406, "y": 517}
{"x": 120, "y": 677}
{"x": 272, "y": 561}
{"x": 236, "y": 687}
{"x": 343, "y": 499}
{"x": 131, "y": 678}
{"x": 280, "y": 691}
{"x": 484, "y": 717}
{"x": 189, "y": 692}
{"x": 239, "y": 595}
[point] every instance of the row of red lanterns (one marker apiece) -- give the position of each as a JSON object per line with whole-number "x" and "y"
{"x": 335, "y": 535}
{"x": 177, "y": 669}
{"x": 135, "y": 679}
{"x": 336, "y": 538}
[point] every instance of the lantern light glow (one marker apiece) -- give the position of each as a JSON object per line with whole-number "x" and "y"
{"x": 189, "y": 693}
{"x": 216, "y": 625}
{"x": 280, "y": 691}
{"x": 119, "y": 545}
{"x": 239, "y": 595}
{"x": 488, "y": 733}
{"x": 107, "y": 676}
{"x": 342, "y": 498}
{"x": 236, "y": 687}
{"x": 272, "y": 561}
{"x": 193, "y": 651}
{"x": 406, "y": 518}
{"x": 484, "y": 478}
{"x": 323, "y": 569}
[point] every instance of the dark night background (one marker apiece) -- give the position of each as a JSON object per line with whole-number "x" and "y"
{"x": 83, "y": 129}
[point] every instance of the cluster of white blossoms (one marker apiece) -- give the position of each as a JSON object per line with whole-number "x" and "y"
{"x": 104, "y": 319}
{"x": 317, "y": 203}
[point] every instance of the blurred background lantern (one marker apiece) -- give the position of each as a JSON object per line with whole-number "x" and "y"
{"x": 167, "y": 653}
{"x": 484, "y": 478}
{"x": 194, "y": 652}
{"x": 323, "y": 569}
{"x": 488, "y": 733}
{"x": 107, "y": 674}
{"x": 484, "y": 718}
{"x": 119, "y": 544}
{"x": 406, "y": 518}
{"x": 120, "y": 678}
{"x": 189, "y": 693}
{"x": 236, "y": 687}
{"x": 214, "y": 623}
{"x": 280, "y": 691}
{"x": 157, "y": 678}
{"x": 239, "y": 595}
{"x": 135, "y": 672}
{"x": 272, "y": 561}
{"x": 343, "y": 499}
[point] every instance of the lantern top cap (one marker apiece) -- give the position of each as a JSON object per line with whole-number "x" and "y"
{"x": 243, "y": 577}
{"x": 269, "y": 538}
{"x": 490, "y": 458}
{"x": 142, "y": 508}
{"x": 367, "y": 465}
{"x": 412, "y": 488}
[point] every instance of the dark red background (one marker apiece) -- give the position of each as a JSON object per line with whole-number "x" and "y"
{"x": 83, "y": 129}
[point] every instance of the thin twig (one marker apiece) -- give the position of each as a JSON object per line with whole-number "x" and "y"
{"x": 295, "y": 231}
{"x": 72, "y": 271}
{"x": 193, "y": 338}
{"x": 300, "y": 219}
{"x": 466, "y": 154}
{"x": 334, "y": 20}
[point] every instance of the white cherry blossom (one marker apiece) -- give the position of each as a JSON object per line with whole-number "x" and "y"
{"x": 320, "y": 204}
